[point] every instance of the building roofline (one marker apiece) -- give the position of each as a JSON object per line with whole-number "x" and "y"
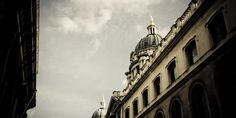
{"x": 190, "y": 22}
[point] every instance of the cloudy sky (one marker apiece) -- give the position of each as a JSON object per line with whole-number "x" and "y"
{"x": 85, "y": 47}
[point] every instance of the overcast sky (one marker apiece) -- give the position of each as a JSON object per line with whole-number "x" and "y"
{"x": 85, "y": 47}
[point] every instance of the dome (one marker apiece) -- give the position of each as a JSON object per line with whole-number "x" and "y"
{"x": 151, "y": 40}
{"x": 101, "y": 112}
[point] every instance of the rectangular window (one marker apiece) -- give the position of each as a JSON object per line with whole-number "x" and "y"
{"x": 138, "y": 70}
{"x": 171, "y": 71}
{"x": 157, "y": 85}
{"x": 135, "y": 108}
{"x": 217, "y": 27}
{"x": 145, "y": 97}
{"x": 191, "y": 52}
{"x": 127, "y": 113}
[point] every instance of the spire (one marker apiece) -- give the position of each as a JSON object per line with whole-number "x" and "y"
{"x": 152, "y": 21}
{"x": 102, "y": 103}
{"x": 151, "y": 27}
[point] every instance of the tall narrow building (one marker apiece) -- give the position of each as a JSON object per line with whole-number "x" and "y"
{"x": 19, "y": 27}
{"x": 189, "y": 73}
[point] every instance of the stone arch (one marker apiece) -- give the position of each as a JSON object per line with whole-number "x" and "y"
{"x": 159, "y": 114}
{"x": 198, "y": 99}
{"x": 175, "y": 109}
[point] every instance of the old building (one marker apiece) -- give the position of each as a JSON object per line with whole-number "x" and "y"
{"x": 189, "y": 73}
{"x": 19, "y": 26}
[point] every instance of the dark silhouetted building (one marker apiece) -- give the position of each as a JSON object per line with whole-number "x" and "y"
{"x": 19, "y": 27}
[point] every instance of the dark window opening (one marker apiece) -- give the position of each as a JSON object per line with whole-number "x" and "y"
{"x": 150, "y": 30}
{"x": 145, "y": 43}
{"x": 176, "y": 110}
{"x": 171, "y": 71}
{"x": 145, "y": 98}
{"x": 135, "y": 107}
{"x": 138, "y": 70}
{"x": 217, "y": 27}
{"x": 157, "y": 85}
{"x": 159, "y": 115}
{"x": 191, "y": 52}
{"x": 127, "y": 113}
{"x": 199, "y": 102}
{"x": 153, "y": 42}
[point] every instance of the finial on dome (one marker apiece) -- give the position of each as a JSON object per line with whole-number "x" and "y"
{"x": 152, "y": 21}
{"x": 102, "y": 103}
{"x": 151, "y": 27}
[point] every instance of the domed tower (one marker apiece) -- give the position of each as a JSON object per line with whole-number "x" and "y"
{"x": 143, "y": 54}
{"x": 151, "y": 40}
{"x": 101, "y": 112}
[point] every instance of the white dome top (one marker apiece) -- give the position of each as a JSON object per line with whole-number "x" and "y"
{"x": 101, "y": 112}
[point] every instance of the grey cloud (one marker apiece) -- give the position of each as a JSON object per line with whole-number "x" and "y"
{"x": 86, "y": 52}
{"x": 90, "y": 16}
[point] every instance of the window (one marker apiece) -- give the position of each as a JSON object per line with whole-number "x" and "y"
{"x": 199, "y": 102}
{"x": 191, "y": 52}
{"x": 135, "y": 107}
{"x": 138, "y": 69}
{"x": 127, "y": 113}
{"x": 171, "y": 71}
{"x": 175, "y": 109}
{"x": 217, "y": 27}
{"x": 153, "y": 42}
{"x": 157, "y": 85}
{"x": 159, "y": 114}
{"x": 145, "y": 97}
{"x": 145, "y": 43}
{"x": 150, "y": 29}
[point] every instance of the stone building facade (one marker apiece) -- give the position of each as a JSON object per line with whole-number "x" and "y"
{"x": 189, "y": 73}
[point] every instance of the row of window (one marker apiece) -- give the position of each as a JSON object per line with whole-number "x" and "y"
{"x": 217, "y": 29}
{"x": 198, "y": 99}
{"x": 145, "y": 98}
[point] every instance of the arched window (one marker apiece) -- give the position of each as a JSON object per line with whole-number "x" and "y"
{"x": 127, "y": 113}
{"x": 199, "y": 102}
{"x": 159, "y": 114}
{"x": 175, "y": 109}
